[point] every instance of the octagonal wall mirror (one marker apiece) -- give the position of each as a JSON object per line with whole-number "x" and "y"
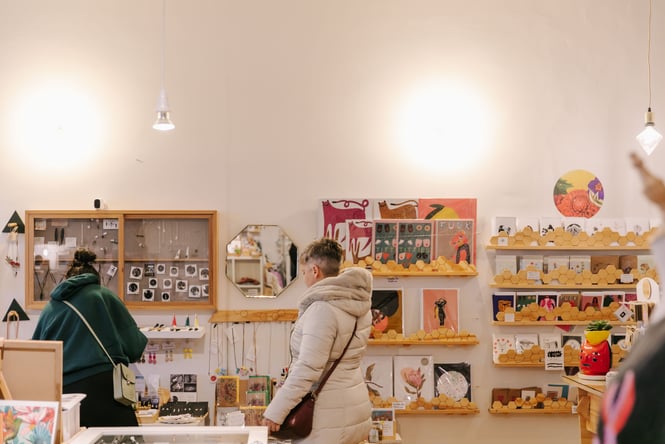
{"x": 261, "y": 261}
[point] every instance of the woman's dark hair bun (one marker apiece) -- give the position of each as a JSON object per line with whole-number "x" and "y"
{"x": 84, "y": 256}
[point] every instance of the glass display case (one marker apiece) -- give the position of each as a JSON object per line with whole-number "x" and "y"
{"x": 150, "y": 259}
{"x": 172, "y": 434}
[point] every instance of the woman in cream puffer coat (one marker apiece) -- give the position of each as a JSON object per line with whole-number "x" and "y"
{"x": 327, "y": 313}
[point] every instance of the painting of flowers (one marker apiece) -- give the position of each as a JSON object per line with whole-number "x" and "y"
{"x": 413, "y": 378}
{"x": 28, "y": 421}
{"x": 578, "y": 193}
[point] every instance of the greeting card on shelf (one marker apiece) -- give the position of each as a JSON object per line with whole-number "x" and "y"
{"x": 591, "y": 299}
{"x": 549, "y": 340}
{"x": 646, "y": 262}
{"x": 573, "y": 341}
{"x": 500, "y": 301}
{"x": 637, "y": 225}
{"x": 385, "y": 241}
{"x": 573, "y": 298}
{"x": 601, "y": 262}
{"x": 612, "y": 296}
{"x": 504, "y": 224}
{"x": 414, "y": 242}
{"x": 386, "y": 420}
{"x": 439, "y": 307}
{"x": 553, "y": 263}
{"x": 524, "y": 341}
{"x": 501, "y": 344}
{"x": 525, "y": 298}
{"x": 548, "y": 224}
{"x": 453, "y": 380}
{"x": 548, "y": 301}
{"x": 455, "y": 240}
{"x": 413, "y": 377}
{"x": 580, "y": 263}
{"x": 505, "y": 262}
{"x": 386, "y": 310}
{"x": 574, "y": 225}
{"x": 378, "y": 371}
{"x": 533, "y": 223}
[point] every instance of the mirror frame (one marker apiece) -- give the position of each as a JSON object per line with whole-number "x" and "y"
{"x": 261, "y": 261}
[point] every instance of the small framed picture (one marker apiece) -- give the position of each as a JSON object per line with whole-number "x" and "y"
{"x": 204, "y": 273}
{"x": 260, "y": 398}
{"x": 258, "y": 383}
{"x": 152, "y": 282}
{"x": 253, "y": 415}
{"x": 112, "y": 270}
{"x": 174, "y": 271}
{"x": 165, "y": 296}
{"x": 148, "y": 295}
{"x": 227, "y": 391}
{"x": 135, "y": 272}
{"x": 132, "y": 288}
{"x": 149, "y": 270}
{"x": 190, "y": 270}
{"x": 181, "y": 286}
{"x": 439, "y": 307}
{"x": 31, "y": 421}
{"x": 160, "y": 269}
{"x": 194, "y": 291}
{"x": 205, "y": 290}
{"x": 167, "y": 283}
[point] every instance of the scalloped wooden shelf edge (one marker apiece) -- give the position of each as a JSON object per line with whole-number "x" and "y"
{"x": 507, "y": 411}
{"x": 439, "y": 267}
{"x": 451, "y": 411}
{"x": 471, "y": 340}
{"x": 561, "y": 238}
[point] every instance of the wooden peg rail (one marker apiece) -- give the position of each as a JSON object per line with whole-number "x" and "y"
{"x": 253, "y": 316}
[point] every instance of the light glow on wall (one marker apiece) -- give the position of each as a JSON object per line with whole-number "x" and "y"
{"x": 56, "y": 127}
{"x": 443, "y": 125}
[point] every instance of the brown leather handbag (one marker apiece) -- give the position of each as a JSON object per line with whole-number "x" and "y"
{"x": 298, "y": 423}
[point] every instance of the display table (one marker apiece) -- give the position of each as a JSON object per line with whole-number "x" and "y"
{"x": 588, "y": 406}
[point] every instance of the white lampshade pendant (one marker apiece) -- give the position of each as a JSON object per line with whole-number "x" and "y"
{"x": 649, "y": 138}
{"x": 163, "y": 122}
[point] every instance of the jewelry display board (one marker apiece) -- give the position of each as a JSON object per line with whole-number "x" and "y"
{"x": 150, "y": 259}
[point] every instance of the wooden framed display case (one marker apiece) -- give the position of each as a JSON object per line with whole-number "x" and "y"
{"x": 150, "y": 259}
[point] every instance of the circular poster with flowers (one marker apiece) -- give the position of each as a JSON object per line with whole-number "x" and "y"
{"x": 578, "y": 193}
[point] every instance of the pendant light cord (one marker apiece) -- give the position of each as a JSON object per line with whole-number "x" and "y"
{"x": 164, "y": 42}
{"x": 649, "y": 52}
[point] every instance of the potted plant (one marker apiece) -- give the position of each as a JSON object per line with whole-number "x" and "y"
{"x": 596, "y": 354}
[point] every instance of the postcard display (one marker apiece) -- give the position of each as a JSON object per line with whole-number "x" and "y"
{"x": 150, "y": 259}
{"x": 561, "y": 275}
{"x": 411, "y": 236}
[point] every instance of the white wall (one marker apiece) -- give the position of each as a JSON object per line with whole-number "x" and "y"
{"x": 279, "y": 104}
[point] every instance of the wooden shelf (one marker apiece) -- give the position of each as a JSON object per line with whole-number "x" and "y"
{"x": 253, "y": 316}
{"x": 406, "y": 273}
{"x": 546, "y": 287}
{"x": 568, "y": 247}
{"x": 432, "y": 412}
{"x": 508, "y": 411}
{"x": 520, "y": 364}
{"x": 555, "y": 323}
{"x": 472, "y": 340}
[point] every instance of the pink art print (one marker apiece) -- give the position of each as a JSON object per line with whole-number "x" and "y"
{"x": 335, "y": 214}
{"x": 439, "y": 308}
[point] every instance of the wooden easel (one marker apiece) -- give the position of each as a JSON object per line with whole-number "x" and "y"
{"x": 4, "y": 388}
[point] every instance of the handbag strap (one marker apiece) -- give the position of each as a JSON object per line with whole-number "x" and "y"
{"x": 85, "y": 321}
{"x": 330, "y": 370}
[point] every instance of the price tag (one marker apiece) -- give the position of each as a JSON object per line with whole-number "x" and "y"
{"x": 626, "y": 278}
{"x": 623, "y": 313}
{"x": 533, "y": 275}
{"x": 509, "y": 317}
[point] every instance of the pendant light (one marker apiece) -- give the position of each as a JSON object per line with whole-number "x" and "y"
{"x": 649, "y": 138}
{"x": 163, "y": 122}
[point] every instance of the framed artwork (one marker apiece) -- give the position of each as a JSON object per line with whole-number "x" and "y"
{"x": 227, "y": 391}
{"x": 413, "y": 377}
{"x": 378, "y": 371}
{"x": 414, "y": 242}
{"x": 258, "y": 383}
{"x": 29, "y": 421}
{"x": 395, "y": 208}
{"x": 453, "y": 380}
{"x": 335, "y": 212}
{"x": 578, "y": 193}
{"x": 439, "y": 307}
{"x": 360, "y": 239}
{"x": 455, "y": 240}
{"x": 385, "y": 241}
{"x": 257, "y": 399}
{"x": 387, "y": 310}
{"x": 500, "y": 301}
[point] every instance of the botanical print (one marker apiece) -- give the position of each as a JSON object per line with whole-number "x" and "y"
{"x": 28, "y": 421}
{"x": 378, "y": 371}
{"x": 578, "y": 193}
{"x": 413, "y": 377}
